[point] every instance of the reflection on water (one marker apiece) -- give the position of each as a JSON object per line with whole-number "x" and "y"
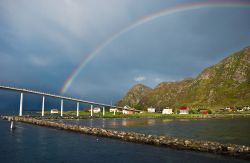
{"x": 130, "y": 122}
{"x": 223, "y": 130}
{"x": 126, "y": 122}
{"x": 167, "y": 120}
{"x": 31, "y": 143}
{"x": 184, "y": 120}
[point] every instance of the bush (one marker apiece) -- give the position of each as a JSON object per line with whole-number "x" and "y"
{"x": 193, "y": 111}
{"x": 139, "y": 107}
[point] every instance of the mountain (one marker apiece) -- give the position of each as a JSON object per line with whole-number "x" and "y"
{"x": 134, "y": 95}
{"x": 226, "y": 83}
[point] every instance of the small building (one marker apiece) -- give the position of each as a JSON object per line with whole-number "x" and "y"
{"x": 151, "y": 110}
{"x": 167, "y": 111}
{"x": 126, "y": 107}
{"x": 246, "y": 108}
{"x": 240, "y": 109}
{"x": 184, "y": 110}
{"x": 95, "y": 110}
{"x": 113, "y": 110}
{"x": 54, "y": 111}
{"x": 128, "y": 111}
{"x": 204, "y": 111}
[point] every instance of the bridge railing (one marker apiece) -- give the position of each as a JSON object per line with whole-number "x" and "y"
{"x": 23, "y": 90}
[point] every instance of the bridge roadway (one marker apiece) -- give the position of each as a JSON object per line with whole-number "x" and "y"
{"x": 55, "y": 96}
{"x": 22, "y": 90}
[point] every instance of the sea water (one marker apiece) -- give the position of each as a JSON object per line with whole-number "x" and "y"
{"x": 34, "y": 144}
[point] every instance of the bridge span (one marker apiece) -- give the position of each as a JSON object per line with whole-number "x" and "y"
{"x": 22, "y": 91}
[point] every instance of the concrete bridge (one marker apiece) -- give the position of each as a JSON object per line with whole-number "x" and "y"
{"x": 43, "y": 94}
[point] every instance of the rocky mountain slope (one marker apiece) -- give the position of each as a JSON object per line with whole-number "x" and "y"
{"x": 226, "y": 83}
{"x": 135, "y": 95}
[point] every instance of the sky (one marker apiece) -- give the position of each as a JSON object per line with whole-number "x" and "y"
{"x": 42, "y": 43}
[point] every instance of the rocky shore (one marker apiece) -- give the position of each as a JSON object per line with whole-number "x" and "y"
{"x": 239, "y": 151}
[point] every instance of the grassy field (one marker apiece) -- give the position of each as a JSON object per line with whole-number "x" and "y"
{"x": 146, "y": 114}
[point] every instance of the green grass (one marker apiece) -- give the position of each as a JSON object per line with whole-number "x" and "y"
{"x": 146, "y": 114}
{"x": 136, "y": 115}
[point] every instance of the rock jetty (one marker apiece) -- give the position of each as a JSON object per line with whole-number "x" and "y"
{"x": 239, "y": 151}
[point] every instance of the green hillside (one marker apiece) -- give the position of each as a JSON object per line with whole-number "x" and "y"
{"x": 226, "y": 83}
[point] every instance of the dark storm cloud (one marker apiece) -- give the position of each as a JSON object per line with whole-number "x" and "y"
{"x": 41, "y": 42}
{"x": 170, "y": 48}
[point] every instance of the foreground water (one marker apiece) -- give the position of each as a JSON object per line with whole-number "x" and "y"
{"x": 29, "y": 143}
{"x": 227, "y": 130}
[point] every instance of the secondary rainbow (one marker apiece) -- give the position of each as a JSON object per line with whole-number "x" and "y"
{"x": 142, "y": 20}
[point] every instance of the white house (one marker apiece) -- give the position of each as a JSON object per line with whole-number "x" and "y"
{"x": 128, "y": 111}
{"x": 113, "y": 110}
{"x": 246, "y": 108}
{"x": 54, "y": 111}
{"x": 167, "y": 111}
{"x": 95, "y": 110}
{"x": 151, "y": 110}
{"x": 240, "y": 110}
{"x": 125, "y": 112}
{"x": 126, "y": 107}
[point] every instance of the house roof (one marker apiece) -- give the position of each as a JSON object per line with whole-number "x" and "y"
{"x": 183, "y": 108}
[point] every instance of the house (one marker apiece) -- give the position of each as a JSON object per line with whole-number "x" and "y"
{"x": 204, "y": 111}
{"x": 184, "y": 110}
{"x": 128, "y": 111}
{"x": 167, "y": 111}
{"x": 126, "y": 107}
{"x": 113, "y": 110}
{"x": 246, "y": 108}
{"x": 54, "y": 111}
{"x": 240, "y": 109}
{"x": 151, "y": 110}
{"x": 95, "y": 110}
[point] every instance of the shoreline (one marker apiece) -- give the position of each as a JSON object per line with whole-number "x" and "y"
{"x": 238, "y": 151}
{"x": 138, "y": 116}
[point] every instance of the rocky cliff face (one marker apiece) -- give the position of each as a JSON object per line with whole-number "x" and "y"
{"x": 226, "y": 83}
{"x": 134, "y": 95}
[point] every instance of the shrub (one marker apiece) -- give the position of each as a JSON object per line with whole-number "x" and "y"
{"x": 193, "y": 111}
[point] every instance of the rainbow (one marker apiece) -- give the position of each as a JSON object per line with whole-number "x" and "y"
{"x": 145, "y": 19}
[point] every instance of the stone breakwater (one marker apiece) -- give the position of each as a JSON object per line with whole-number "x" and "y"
{"x": 239, "y": 151}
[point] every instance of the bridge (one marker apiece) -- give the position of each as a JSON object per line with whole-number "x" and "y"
{"x": 43, "y": 94}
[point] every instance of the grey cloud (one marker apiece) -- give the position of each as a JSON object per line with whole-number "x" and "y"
{"x": 42, "y": 42}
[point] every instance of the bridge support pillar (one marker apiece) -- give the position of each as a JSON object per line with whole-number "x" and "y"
{"x": 61, "y": 108}
{"x": 77, "y": 109}
{"x": 103, "y": 111}
{"x": 91, "y": 114}
{"x": 21, "y": 105}
{"x": 43, "y": 106}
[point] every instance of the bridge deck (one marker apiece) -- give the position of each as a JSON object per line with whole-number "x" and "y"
{"x": 55, "y": 96}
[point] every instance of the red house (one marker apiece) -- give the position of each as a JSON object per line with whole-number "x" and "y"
{"x": 184, "y": 110}
{"x": 204, "y": 111}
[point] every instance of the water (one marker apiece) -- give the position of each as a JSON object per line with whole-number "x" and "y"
{"x": 230, "y": 130}
{"x": 30, "y": 143}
